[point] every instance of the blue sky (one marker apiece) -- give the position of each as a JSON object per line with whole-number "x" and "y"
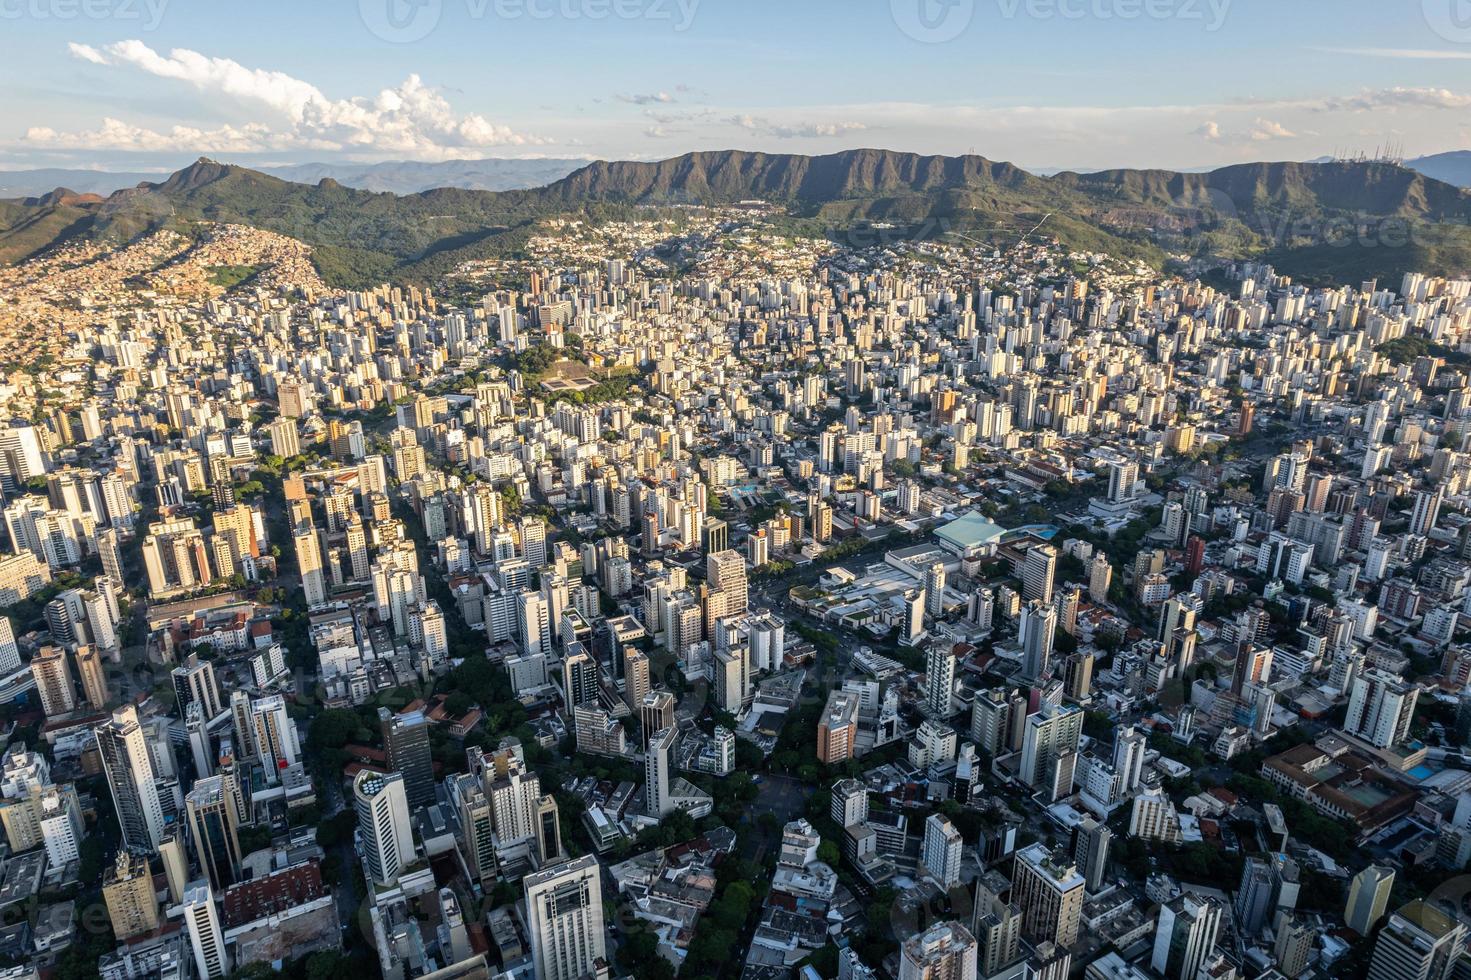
{"x": 150, "y": 84}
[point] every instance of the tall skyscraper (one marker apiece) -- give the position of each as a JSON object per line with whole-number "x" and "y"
{"x": 130, "y": 776}
{"x": 939, "y": 680}
{"x": 1039, "y": 568}
{"x": 945, "y": 951}
{"x": 1037, "y": 634}
{"x": 212, "y": 829}
{"x": 1381, "y": 706}
{"x": 579, "y": 676}
{"x": 837, "y": 728}
{"x": 54, "y": 686}
{"x": 1368, "y": 898}
{"x": 1049, "y": 891}
{"x": 1185, "y": 935}
{"x": 206, "y": 938}
{"x": 1091, "y": 840}
{"x": 635, "y": 676}
{"x": 533, "y": 541}
{"x": 1100, "y": 577}
{"x": 274, "y": 733}
{"x": 94, "y": 678}
{"x": 309, "y": 563}
{"x": 1419, "y": 942}
{"x": 941, "y": 851}
{"x": 406, "y": 744}
{"x": 9, "y": 651}
{"x": 564, "y": 912}
{"x": 127, "y": 890}
{"x": 1050, "y": 741}
{"x": 658, "y": 766}
{"x": 934, "y": 590}
{"x": 383, "y": 823}
{"x": 656, "y": 713}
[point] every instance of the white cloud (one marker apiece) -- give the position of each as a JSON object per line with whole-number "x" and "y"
{"x": 1398, "y": 98}
{"x": 653, "y": 98}
{"x": 412, "y": 119}
{"x": 1265, "y": 130}
{"x": 1209, "y": 131}
{"x": 799, "y": 130}
{"x": 1402, "y": 54}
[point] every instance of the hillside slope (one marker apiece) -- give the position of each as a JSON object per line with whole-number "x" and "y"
{"x": 1323, "y": 220}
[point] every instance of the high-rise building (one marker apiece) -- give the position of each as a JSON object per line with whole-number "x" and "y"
{"x": 1419, "y": 942}
{"x": 941, "y": 851}
{"x": 206, "y": 938}
{"x": 94, "y": 677}
{"x": 580, "y": 676}
{"x": 1049, "y": 890}
{"x": 945, "y": 951}
{"x": 534, "y": 618}
{"x": 274, "y": 735}
{"x": 658, "y": 767}
{"x": 212, "y": 829}
{"x": 997, "y": 927}
{"x": 635, "y": 676}
{"x": 9, "y": 651}
{"x": 564, "y": 912}
{"x": 725, "y": 573}
{"x": 127, "y": 890}
{"x": 194, "y": 680}
{"x": 383, "y": 825}
{"x": 406, "y": 744}
{"x": 934, "y": 590}
{"x": 53, "y": 681}
{"x": 128, "y": 765}
{"x": 533, "y": 541}
{"x": 1266, "y": 883}
{"x": 731, "y": 671}
{"x": 939, "y": 680}
{"x": 656, "y": 713}
{"x": 1039, "y": 568}
{"x": 60, "y": 822}
{"x": 309, "y": 563}
{"x": 1368, "y": 898}
{"x": 1381, "y": 706}
{"x": 1296, "y": 938}
{"x": 1100, "y": 577}
{"x": 1038, "y": 633}
{"x": 1050, "y": 740}
{"x": 1091, "y": 840}
{"x": 837, "y": 728}
{"x": 1185, "y": 935}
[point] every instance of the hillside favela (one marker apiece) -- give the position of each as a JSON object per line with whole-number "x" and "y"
{"x": 608, "y": 489}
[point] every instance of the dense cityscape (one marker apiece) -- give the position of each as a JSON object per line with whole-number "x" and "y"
{"x": 685, "y": 597}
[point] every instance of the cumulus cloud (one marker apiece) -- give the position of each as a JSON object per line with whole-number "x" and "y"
{"x": 1209, "y": 131}
{"x": 1402, "y": 97}
{"x": 1265, "y": 130}
{"x": 409, "y": 119}
{"x": 800, "y": 130}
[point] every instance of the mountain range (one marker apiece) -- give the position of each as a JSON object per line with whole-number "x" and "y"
{"x": 1336, "y": 220}
{"x": 1453, "y": 167}
{"x": 398, "y": 177}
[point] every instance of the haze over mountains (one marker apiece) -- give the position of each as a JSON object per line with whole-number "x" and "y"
{"x": 1335, "y": 220}
{"x": 1453, "y": 167}
{"x": 398, "y": 177}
